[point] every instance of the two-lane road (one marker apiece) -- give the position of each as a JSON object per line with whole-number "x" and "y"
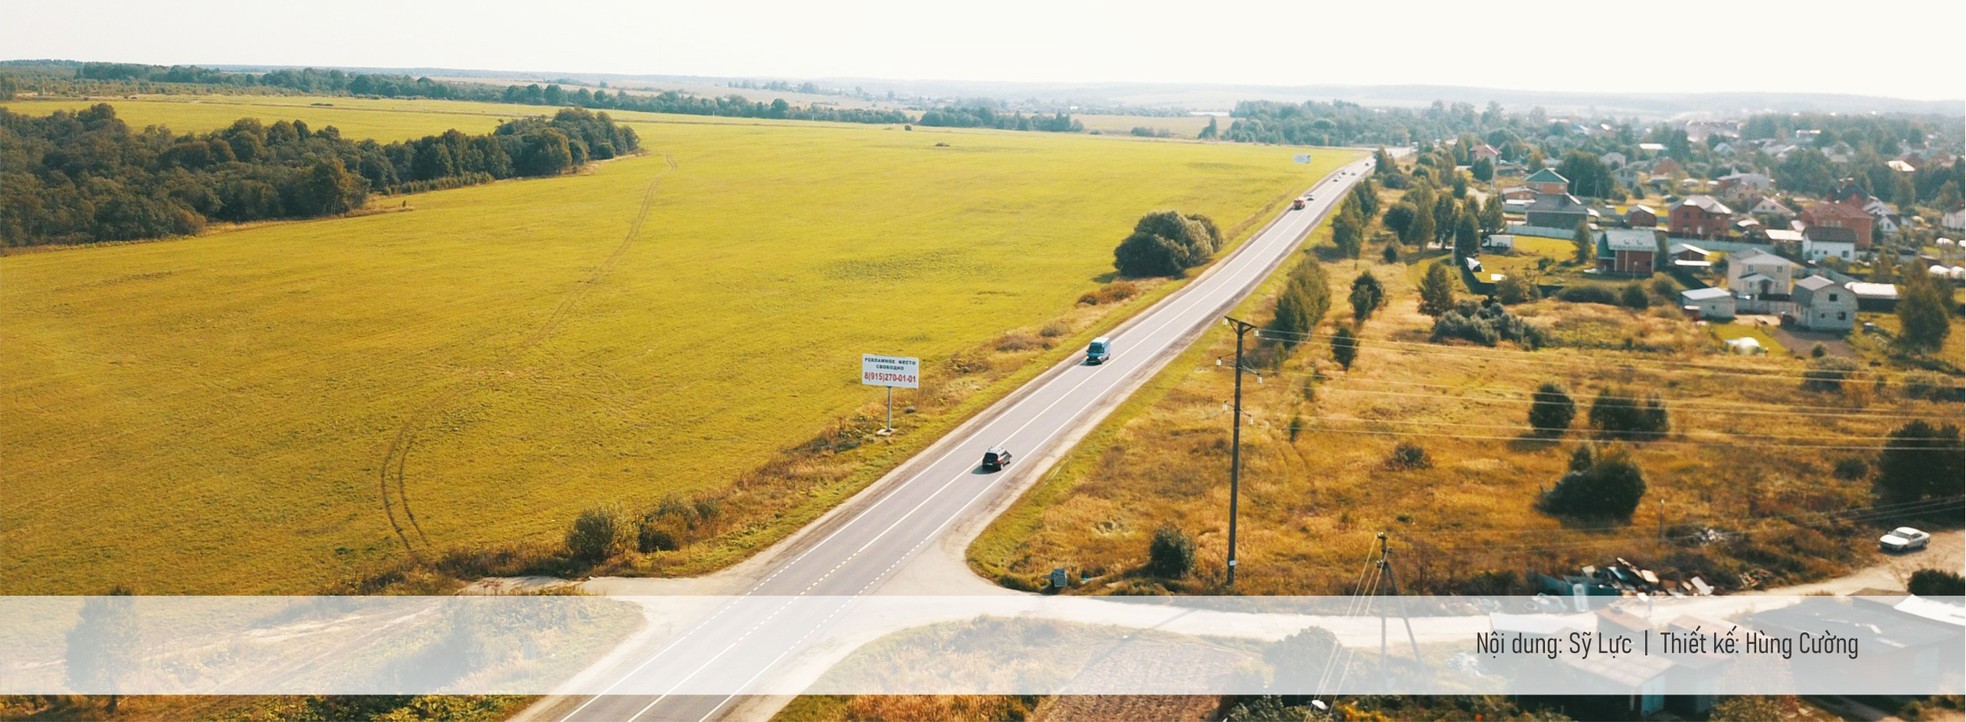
{"x": 860, "y": 548}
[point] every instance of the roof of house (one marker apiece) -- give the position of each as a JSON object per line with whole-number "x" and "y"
{"x": 1830, "y": 234}
{"x": 1640, "y": 207}
{"x": 1704, "y": 294}
{"x": 1651, "y": 146}
{"x": 1778, "y": 234}
{"x": 1628, "y": 239}
{"x": 1756, "y": 256}
{"x": 1678, "y": 248}
{"x": 1545, "y": 176}
{"x": 1815, "y": 283}
{"x": 1771, "y": 207}
{"x": 1556, "y": 202}
{"x": 1872, "y": 290}
{"x": 1754, "y": 277}
{"x": 1828, "y": 209}
{"x": 1706, "y": 204}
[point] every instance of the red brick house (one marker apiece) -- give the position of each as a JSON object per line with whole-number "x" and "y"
{"x": 1627, "y": 251}
{"x": 1641, "y": 216}
{"x": 1699, "y": 217}
{"x": 1840, "y": 215}
{"x": 1547, "y": 182}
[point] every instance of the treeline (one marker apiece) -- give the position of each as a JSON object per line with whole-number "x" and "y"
{"x": 85, "y": 176}
{"x": 1334, "y": 123}
{"x": 981, "y": 116}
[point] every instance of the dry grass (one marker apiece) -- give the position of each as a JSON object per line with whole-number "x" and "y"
{"x": 1311, "y": 507}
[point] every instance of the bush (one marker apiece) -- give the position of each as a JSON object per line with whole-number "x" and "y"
{"x": 1344, "y": 346}
{"x": 1936, "y": 583}
{"x": 1054, "y": 329}
{"x": 1551, "y": 410}
{"x": 1851, "y": 468}
{"x": 1110, "y": 293}
{"x": 1016, "y": 341}
{"x": 1166, "y": 243}
{"x": 1611, "y": 487}
{"x": 598, "y": 533}
{"x": 1663, "y": 288}
{"x": 1171, "y": 554}
{"x": 1621, "y": 414}
{"x": 1930, "y": 386}
{"x": 1587, "y": 293}
{"x": 1408, "y": 455}
{"x": 1302, "y": 304}
{"x": 1921, "y": 461}
{"x": 1828, "y": 373}
{"x": 1367, "y": 296}
{"x": 1818, "y": 351}
{"x": 1516, "y": 289}
{"x": 1486, "y": 324}
{"x": 1633, "y": 296}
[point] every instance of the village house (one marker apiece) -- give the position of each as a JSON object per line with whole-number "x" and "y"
{"x": 1738, "y": 187}
{"x": 1666, "y": 166}
{"x": 1840, "y": 215}
{"x": 1484, "y": 151}
{"x": 1558, "y": 211}
{"x": 1874, "y": 296}
{"x": 1641, "y": 216}
{"x": 1627, "y": 251}
{"x": 1772, "y": 212}
{"x": 1955, "y": 219}
{"x": 1690, "y": 257}
{"x": 1613, "y": 160}
{"x": 1518, "y": 193}
{"x": 1547, "y": 182}
{"x": 1822, "y": 305}
{"x": 1699, "y": 217}
{"x": 1820, "y": 242}
{"x": 1758, "y": 273}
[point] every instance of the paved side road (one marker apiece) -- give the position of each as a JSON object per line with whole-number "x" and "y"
{"x": 857, "y": 550}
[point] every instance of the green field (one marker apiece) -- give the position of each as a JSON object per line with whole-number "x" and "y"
{"x": 212, "y": 415}
{"x": 1180, "y": 126}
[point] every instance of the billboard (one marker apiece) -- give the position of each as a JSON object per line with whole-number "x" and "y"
{"x": 891, "y": 371}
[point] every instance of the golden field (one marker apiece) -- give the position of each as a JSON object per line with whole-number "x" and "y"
{"x": 228, "y": 413}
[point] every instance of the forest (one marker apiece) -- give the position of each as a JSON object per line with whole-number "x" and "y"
{"x": 86, "y": 176}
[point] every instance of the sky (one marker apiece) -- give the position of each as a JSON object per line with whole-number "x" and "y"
{"x": 1894, "y": 48}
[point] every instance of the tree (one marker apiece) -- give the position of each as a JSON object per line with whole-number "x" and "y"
{"x": 1421, "y": 232}
{"x": 1391, "y": 252}
{"x": 1551, "y": 410}
{"x": 103, "y": 645}
{"x": 1516, "y": 288}
{"x": 1344, "y": 346}
{"x": 1367, "y": 296}
{"x": 1399, "y": 220}
{"x": 1620, "y": 414}
{"x": 1436, "y": 291}
{"x": 1347, "y": 233}
{"x": 598, "y": 533}
{"x": 1633, "y": 296}
{"x": 1301, "y": 305}
{"x": 1483, "y": 169}
{"x": 1171, "y": 554}
{"x": 1581, "y": 239}
{"x": 1166, "y": 243}
{"x": 1922, "y": 315}
{"x": 545, "y": 152}
{"x": 1210, "y": 132}
{"x": 1466, "y": 236}
{"x": 1920, "y": 461}
{"x": 1142, "y": 255}
{"x": 328, "y": 189}
{"x": 1492, "y": 220}
{"x": 1610, "y": 487}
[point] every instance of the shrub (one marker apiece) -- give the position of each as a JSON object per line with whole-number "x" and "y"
{"x": 1633, "y": 296}
{"x": 1610, "y": 487}
{"x": 1054, "y": 329}
{"x": 1390, "y": 254}
{"x": 1921, "y": 461}
{"x": 1344, "y": 346}
{"x": 1408, "y": 455}
{"x": 1663, "y": 288}
{"x": 1110, "y": 293}
{"x": 1301, "y": 305}
{"x": 1587, "y": 293}
{"x": 1516, "y": 289}
{"x": 1551, "y": 410}
{"x": 598, "y": 533}
{"x": 1930, "y": 386}
{"x": 1621, "y": 414}
{"x": 1486, "y": 324}
{"x": 1171, "y": 554}
{"x": 1936, "y": 583}
{"x": 1851, "y": 468}
{"x": 1818, "y": 351}
{"x": 1828, "y": 373}
{"x": 1367, "y": 296}
{"x": 1018, "y": 341}
{"x": 1580, "y": 458}
{"x": 1166, "y": 243}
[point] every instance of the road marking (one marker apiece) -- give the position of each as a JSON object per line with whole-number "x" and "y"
{"x": 1242, "y": 258}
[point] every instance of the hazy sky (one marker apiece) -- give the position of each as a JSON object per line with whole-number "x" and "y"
{"x": 1898, "y": 48}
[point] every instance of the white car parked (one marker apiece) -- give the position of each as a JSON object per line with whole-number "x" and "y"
{"x": 1903, "y": 539}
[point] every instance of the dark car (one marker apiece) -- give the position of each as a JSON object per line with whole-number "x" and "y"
{"x": 996, "y": 458}
{"x": 1099, "y": 352}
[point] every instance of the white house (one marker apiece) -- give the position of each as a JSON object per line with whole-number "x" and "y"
{"x": 1755, "y": 272}
{"x": 1713, "y": 304}
{"x": 1955, "y": 221}
{"x": 1820, "y": 242}
{"x": 1822, "y": 305}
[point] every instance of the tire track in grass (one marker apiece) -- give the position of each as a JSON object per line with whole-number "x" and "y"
{"x": 396, "y": 455}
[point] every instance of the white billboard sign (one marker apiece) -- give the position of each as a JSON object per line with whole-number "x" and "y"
{"x": 890, "y": 371}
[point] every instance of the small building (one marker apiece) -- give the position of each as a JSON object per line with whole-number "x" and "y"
{"x": 1518, "y": 193}
{"x": 1713, "y": 304}
{"x": 1822, "y": 305}
{"x": 1547, "y": 182}
{"x": 1758, "y": 273}
{"x": 1613, "y": 159}
{"x": 1699, "y": 216}
{"x": 1691, "y": 257}
{"x": 1874, "y": 296}
{"x": 1641, "y": 216}
{"x": 1627, "y": 251}
{"x": 1954, "y": 220}
{"x": 1473, "y": 264}
{"x": 1772, "y": 212}
{"x": 1484, "y": 150}
{"x": 1561, "y": 210}
{"x": 1820, "y": 242}
{"x": 1665, "y": 166}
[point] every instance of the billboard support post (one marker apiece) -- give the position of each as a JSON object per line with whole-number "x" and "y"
{"x": 890, "y": 371}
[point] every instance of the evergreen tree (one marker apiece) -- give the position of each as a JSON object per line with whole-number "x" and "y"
{"x": 1436, "y": 291}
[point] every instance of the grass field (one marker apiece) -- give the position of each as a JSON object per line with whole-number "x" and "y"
{"x": 1178, "y": 126}
{"x": 1749, "y": 454}
{"x": 225, "y": 414}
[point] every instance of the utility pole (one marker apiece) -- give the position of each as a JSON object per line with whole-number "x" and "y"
{"x": 1235, "y": 444}
{"x": 1386, "y": 569}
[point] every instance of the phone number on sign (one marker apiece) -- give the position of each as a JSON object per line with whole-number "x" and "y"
{"x": 878, "y": 376}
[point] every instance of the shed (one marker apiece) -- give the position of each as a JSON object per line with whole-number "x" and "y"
{"x": 1714, "y": 304}
{"x": 1874, "y": 296}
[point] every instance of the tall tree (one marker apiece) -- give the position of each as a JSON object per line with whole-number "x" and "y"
{"x": 1347, "y": 233}
{"x": 1367, "y": 296}
{"x": 103, "y": 646}
{"x": 1344, "y": 346}
{"x": 1436, "y": 291}
{"x": 1586, "y": 248}
{"x": 1922, "y": 314}
{"x": 1492, "y": 220}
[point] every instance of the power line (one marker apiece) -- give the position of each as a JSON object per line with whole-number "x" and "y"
{"x": 1651, "y": 435}
{"x": 1656, "y": 441}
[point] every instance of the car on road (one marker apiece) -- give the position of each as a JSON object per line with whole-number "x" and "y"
{"x": 1099, "y": 352}
{"x": 996, "y": 458}
{"x": 1297, "y": 205}
{"x": 1903, "y": 539}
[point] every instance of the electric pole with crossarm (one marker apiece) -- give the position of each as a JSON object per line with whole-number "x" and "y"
{"x": 1235, "y": 443}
